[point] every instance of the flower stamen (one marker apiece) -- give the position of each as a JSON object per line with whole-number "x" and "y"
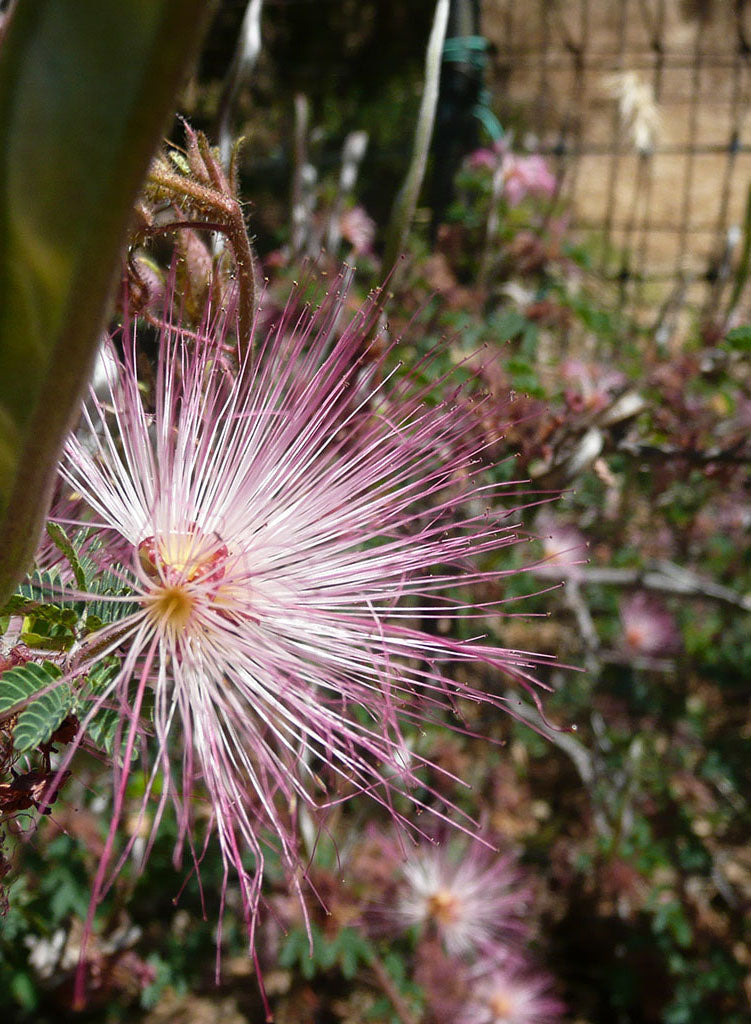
{"x": 443, "y": 906}
{"x": 170, "y": 607}
{"x": 501, "y": 1005}
{"x": 184, "y": 557}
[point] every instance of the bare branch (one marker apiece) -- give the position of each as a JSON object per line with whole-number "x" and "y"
{"x": 388, "y": 986}
{"x": 663, "y": 577}
{"x": 583, "y": 759}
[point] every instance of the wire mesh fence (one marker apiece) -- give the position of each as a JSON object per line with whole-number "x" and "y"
{"x": 645, "y": 108}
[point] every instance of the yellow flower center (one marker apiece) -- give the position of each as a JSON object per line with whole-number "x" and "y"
{"x": 501, "y": 1006}
{"x": 183, "y": 557}
{"x": 184, "y": 567}
{"x": 170, "y": 607}
{"x": 635, "y": 637}
{"x": 443, "y": 906}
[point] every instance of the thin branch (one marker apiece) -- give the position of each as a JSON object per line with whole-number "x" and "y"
{"x": 583, "y": 759}
{"x": 735, "y": 454}
{"x": 493, "y": 223}
{"x": 353, "y": 152}
{"x": 302, "y": 199}
{"x": 662, "y": 577}
{"x": 406, "y": 200}
{"x": 572, "y": 747}
{"x": 572, "y": 596}
{"x": 639, "y": 662}
{"x": 387, "y": 984}
{"x": 243, "y": 62}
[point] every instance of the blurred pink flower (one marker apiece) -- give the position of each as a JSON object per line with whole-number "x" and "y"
{"x": 591, "y": 386}
{"x": 565, "y": 547}
{"x": 470, "y": 896}
{"x": 526, "y": 176}
{"x": 509, "y": 993}
{"x": 648, "y": 627}
{"x": 282, "y": 531}
{"x": 728, "y": 514}
{"x": 486, "y": 158}
{"x": 522, "y": 175}
{"x": 358, "y": 229}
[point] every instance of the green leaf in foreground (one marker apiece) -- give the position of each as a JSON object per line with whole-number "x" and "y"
{"x": 85, "y": 90}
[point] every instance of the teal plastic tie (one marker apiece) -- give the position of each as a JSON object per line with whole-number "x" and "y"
{"x": 489, "y": 121}
{"x": 473, "y": 50}
{"x": 467, "y": 50}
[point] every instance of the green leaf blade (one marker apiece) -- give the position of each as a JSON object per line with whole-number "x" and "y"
{"x": 85, "y": 90}
{"x": 62, "y": 542}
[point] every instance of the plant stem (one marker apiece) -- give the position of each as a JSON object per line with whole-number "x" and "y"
{"x": 406, "y": 200}
{"x": 386, "y": 982}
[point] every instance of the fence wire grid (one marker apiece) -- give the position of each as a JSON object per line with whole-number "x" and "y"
{"x": 644, "y": 106}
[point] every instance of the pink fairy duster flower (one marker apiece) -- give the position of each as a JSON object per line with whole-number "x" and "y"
{"x": 470, "y": 896}
{"x": 591, "y": 386}
{"x": 486, "y": 158}
{"x": 507, "y": 992}
{"x": 281, "y": 531}
{"x": 728, "y": 514}
{"x": 564, "y": 546}
{"x": 520, "y": 175}
{"x": 648, "y": 627}
{"x": 358, "y": 228}
{"x": 526, "y": 176}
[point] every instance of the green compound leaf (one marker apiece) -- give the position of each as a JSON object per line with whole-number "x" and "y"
{"x": 354, "y": 950}
{"x": 85, "y": 90}
{"x": 54, "y": 614}
{"x": 47, "y": 643}
{"x": 39, "y": 719}
{"x": 739, "y": 339}
{"x": 107, "y": 725}
{"x": 37, "y": 588}
{"x": 103, "y": 732}
{"x": 62, "y": 542}
{"x": 23, "y": 681}
{"x": 347, "y": 950}
{"x": 110, "y": 583}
